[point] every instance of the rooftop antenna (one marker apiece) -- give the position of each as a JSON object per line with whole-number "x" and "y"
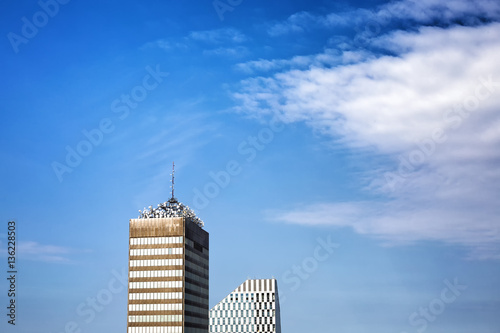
{"x": 173, "y": 178}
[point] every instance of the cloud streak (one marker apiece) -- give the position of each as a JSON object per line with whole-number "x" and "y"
{"x": 218, "y": 36}
{"x": 408, "y": 12}
{"x": 430, "y": 109}
{"x": 46, "y": 253}
{"x": 222, "y": 41}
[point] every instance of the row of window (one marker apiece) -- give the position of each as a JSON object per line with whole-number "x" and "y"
{"x": 155, "y": 284}
{"x": 196, "y": 288}
{"x": 148, "y": 296}
{"x": 149, "y": 329}
{"x": 155, "y": 307}
{"x": 235, "y": 306}
{"x": 197, "y": 268}
{"x": 260, "y": 306}
{"x": 242, "y": 320}
{"x": 196, "y": 256}
{"x": 259, "y": 297}
{"x": 201, "y": 248}
{"x": 197, "y": 299}
{"x": 156, "y": 262}
{"x": 152, "y": 274}
{"x": 195, "y": 320}
{"x": 233, "y": 321}
{"x": 156, "y": 252}
{"x": 155, "y": 319}
{"x": 196, "y": 278}
{"x": 196, "y": 309}
{"x": 156, "y": 240}
{"x": 241, "y": 313}
{"x": 243, "y": 328}
{"x": 243, "y": 306}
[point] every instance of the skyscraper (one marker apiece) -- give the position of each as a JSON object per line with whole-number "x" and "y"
{"x": 252, "y": 307}
{"x": 168, "y": 271}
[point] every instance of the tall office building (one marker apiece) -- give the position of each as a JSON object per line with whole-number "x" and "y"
{"x": 168, "y": 271}
{"x": 252, "y": 307}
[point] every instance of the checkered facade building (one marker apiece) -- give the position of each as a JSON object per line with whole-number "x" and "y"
{"x": 252, "y": 307}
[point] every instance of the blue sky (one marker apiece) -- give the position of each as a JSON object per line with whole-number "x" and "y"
{"x": 349, "y": 149}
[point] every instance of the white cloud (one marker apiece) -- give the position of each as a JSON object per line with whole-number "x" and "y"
{"x": 218, "y": 36}
{"x": 237, "y": 51}
{"x": 397, "y": 224}
{"x": 404, "y": 108}
{"x": 406, "y": 11}
{"x": 46, "y": 253}
{"x": 427, "y": 11}
{"x": 373, "y": 101}
{"x": 298, "y": 22}
{"x": 208, "y": 38}
{"x": 330, "y": 57}
{"x": 165, "y": 45}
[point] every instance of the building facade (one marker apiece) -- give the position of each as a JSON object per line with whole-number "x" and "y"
{"x": 168, "y": 271}
{"x": 252, "y": 307}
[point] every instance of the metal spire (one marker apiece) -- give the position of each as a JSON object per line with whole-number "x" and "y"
{"x": 173, "y": 178}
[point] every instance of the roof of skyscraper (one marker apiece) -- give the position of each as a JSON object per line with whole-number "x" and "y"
{"x": 170, "y": 208}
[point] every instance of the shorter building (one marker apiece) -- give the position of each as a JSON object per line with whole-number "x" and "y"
{"x": 252, "y": 307}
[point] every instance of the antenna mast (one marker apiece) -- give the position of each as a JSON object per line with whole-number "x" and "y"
{"x": 173, "y": 178}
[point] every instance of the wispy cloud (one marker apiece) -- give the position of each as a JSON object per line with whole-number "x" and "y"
{"x": 178, "y": 137}
{"x": 404, "y": 223}
{"x": 219, "y": 36}
{"x": 434, "y": 102}
{"x": 238, "y": 51}
{"x": 181, "y": 135}
{"x": 428, "y": 11}
{"x": 166, "y": 45}
{"x": 373, "y": 101}
{"x": 331, "y": 57}
{"x": 407, "y": 11}
{"x": 219, "y": 42}
{"x": 46, "y": 253}
{"x": 299, "y": 23}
